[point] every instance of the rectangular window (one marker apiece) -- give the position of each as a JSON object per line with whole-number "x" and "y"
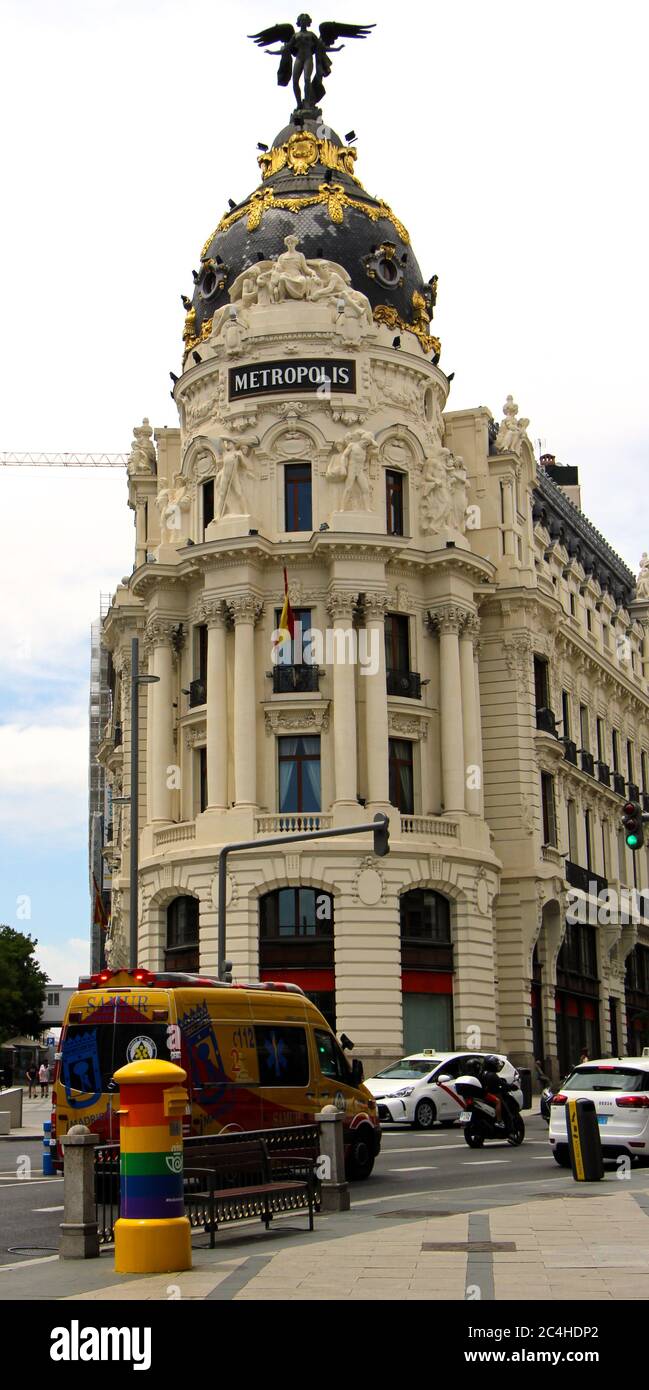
{"x": 549, "y": 814}
{"x": 588, "y": 837}
{"x": 644, "y": 762}
{"x": 202, "y": 778}
{"x": 601, "y": 741}
{"x": 401, "y": 776}
{"x": 394, "y": 503}
{"x": 630, "y": 761}
{"x": 292, "y": 651}
{"x": 584, "y": 728}
{"x": 565, "y": 714}
{"x": 397, "y": 642}
{"x": 299, "y": 774}
{"x": 621, "y": 855}
{"x": 207, "y": 493}
{"x": 572, "y": 605}
{"x": 282, "y": 1055}
{"x": 572, "y": 832}
{"x": 605, "y": 848}
{"x": 615, "y": 739}
{"x": 297, "y": 497}
{"x": 541, "y": 683}
{"x": 589, "y": 620}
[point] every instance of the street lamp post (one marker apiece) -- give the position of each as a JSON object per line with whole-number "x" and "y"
{"x": 136, "y": 681}
{"x": 380, "y": 830}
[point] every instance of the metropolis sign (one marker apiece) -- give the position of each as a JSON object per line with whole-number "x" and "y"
{"x": 314, "y": 375}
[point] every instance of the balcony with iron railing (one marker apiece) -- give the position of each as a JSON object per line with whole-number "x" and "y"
{"x": 406, "y": 683}
{"x": 197, "y": 693}
{"x": 570, "y": 751}
{"x": 587, "y": 762}
{"x": 619, "y": 784}
{"x": 301, "y": 679}
{"x": 545, "y": 720}
{"x": 633, "y": 792}
{"x": 603, "y": 773}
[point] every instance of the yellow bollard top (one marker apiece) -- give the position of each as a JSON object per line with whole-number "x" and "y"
{"x": 152, "y": 1072}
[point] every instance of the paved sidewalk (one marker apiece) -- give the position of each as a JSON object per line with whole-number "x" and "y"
{"x": 585, "y": 1242}
{"x": 35, "y": 1112}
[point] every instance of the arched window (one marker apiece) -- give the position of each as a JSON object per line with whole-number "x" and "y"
{"x": 426, "y": 970}
{"x": 296, "y": 943}
{"x": 182, "y": 951}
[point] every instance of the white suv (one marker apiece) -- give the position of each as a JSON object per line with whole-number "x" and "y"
{"x": 619, "y": 1086}
{"x": 407, "y": 1092}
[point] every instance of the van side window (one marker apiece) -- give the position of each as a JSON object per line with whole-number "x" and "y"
{"x": 283, "y": 1056}
{"x": 331, "y": 1059}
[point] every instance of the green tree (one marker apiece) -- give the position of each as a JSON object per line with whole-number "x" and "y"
{"x": 22, "y": 985}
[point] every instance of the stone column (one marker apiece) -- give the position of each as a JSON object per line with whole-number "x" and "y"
{"x": 79, "y": 1235}
{"x": 214, "y": 613}
{"x": 140, "y": 533}
{"x": 160, "y": 734}
{"x": 245, "y": 609}
{"x": 478, "y": 706}
{"x": 376, "y": 702}
{"x": 508, "y": 515}
{"x": 448, "y": 620}
{"x": 470, "y": 714}
{"x": 340, "y": 606}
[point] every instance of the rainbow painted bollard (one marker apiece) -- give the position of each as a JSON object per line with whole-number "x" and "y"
{"x": 152, "y": 1235}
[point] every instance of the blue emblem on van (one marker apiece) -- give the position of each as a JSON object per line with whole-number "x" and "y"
{"x": 209, "y": 1078}
{"x": 80, "y": 1069}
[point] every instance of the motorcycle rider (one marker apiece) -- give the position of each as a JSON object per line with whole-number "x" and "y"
{"x": 494, "y": 1086}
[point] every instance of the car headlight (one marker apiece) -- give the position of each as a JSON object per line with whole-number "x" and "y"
{"x": 405, "y": 1091}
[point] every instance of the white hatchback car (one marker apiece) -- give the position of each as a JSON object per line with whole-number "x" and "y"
{"x": 619, "y": 1086}
{"x": 407, "y": 1092}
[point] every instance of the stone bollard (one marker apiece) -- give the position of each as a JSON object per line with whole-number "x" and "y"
{"x": 79, "y": 1236}
{"x": 334, "y": 1189}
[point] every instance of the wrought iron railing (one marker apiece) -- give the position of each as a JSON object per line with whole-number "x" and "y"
{"x": 406, "y": 683}
{"x": 299, "y": 679}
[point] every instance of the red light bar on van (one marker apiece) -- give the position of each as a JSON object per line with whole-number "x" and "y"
{"x": 129, "y": 979}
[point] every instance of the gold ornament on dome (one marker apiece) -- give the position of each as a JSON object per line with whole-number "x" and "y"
{"x": 302, "y": 151}
{"x": 331, "y": 194}
{"x": 189, "y": 328}
{"x": 196, "y": 338}
{"x": 388, "y": 315}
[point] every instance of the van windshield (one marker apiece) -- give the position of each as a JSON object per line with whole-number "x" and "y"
{"x": 91, "y": 1053}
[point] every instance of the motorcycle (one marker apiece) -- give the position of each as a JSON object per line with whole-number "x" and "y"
{"x": 478, "y": 1118}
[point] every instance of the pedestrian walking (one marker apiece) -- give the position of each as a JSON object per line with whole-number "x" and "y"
{"x": 30, "y": 1078}
{"x": 44, "y": 1078}
{"x": 584, "y": 1057}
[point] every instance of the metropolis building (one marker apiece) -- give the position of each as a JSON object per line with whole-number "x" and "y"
{"x": 470, "y": 656}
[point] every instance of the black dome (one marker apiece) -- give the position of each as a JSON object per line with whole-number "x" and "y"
{"x": 309, "y": 189}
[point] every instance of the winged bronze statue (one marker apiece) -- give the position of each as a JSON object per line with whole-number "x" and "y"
{"x": 305, "y": 55}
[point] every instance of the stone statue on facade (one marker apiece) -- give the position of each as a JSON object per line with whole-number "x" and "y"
{"x": 443, "y": 498}
{"x": 142, "y": 458}
{"x": 511, "y": 431}
{"x": 354, "y": 464}
{"x": 291, "y": 277}
{"x": 304, "y": 56}
{"x": 642, "y": 586}
{"x": 229, "y": 490}
{"x": 172, "y": 503}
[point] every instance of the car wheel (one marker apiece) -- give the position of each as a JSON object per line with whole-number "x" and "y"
{"x": 561, "y": 1155}
{"x": 425, "y": 1114}
{"x": 448, "y": 1124}
{"x": 473, "y": 1137}
{"x": 361, "y": 1158}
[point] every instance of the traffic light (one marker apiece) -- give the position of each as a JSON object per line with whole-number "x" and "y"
{"x": 633, "y": 826}
{"x": 226, "y": 972}
{"x": 381, "y": 834}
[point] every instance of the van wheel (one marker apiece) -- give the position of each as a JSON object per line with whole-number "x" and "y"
{"x": 361, "y": 1158}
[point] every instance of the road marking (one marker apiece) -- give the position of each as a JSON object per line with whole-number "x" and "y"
{"x": 28, "y": 1182}
{"x": 20, "y": 1264}
{"x": 61, "y": 1208}
{"x": 417, "y": 1149}
{"x": 427, "y": 1168}
{"x": 482, "y": 1162}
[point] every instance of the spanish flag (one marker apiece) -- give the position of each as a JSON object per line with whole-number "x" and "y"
{"x": 286, "y": 626}
{"x": 99, "y": 914}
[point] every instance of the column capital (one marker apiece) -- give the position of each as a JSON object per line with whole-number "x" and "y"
{"x": 448, "y": 617}
{"x": 245, "y": 608}
{"x": 471, "y": 627}
{"x": 341, "y": 603}
{"x": 211, "y": 610}
{"x": 375, "y": 606}
{"x": 159, "y": 632}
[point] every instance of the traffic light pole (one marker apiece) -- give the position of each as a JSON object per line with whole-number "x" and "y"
{"x": 379, "y": 827}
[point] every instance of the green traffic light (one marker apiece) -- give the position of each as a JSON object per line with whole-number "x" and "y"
{"x": 632, "y": 841}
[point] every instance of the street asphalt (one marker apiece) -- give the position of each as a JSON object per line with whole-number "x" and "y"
{"x": 410, "y": 1165}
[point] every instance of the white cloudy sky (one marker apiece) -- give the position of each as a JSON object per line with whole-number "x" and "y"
{"x": 509, "y": 136}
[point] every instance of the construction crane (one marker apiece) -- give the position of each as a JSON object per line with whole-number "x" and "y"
{"x": 55, "y": 460}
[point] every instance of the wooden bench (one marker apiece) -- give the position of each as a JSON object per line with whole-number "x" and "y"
{"x": 242, "y": 1181}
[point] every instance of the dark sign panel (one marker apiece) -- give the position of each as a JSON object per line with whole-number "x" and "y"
{"x": 329, "y": 375}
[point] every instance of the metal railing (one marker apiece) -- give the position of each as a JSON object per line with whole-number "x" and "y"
{"x": 619, "y": 784}
{"x": 604, "y": 773}
{"x": 197, "y": 693}
{"x": 545, "y": 720}
{"x": 407, "y": 683}
{"x": 299, "y": 679}
{"x": 294, "y": 1153}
